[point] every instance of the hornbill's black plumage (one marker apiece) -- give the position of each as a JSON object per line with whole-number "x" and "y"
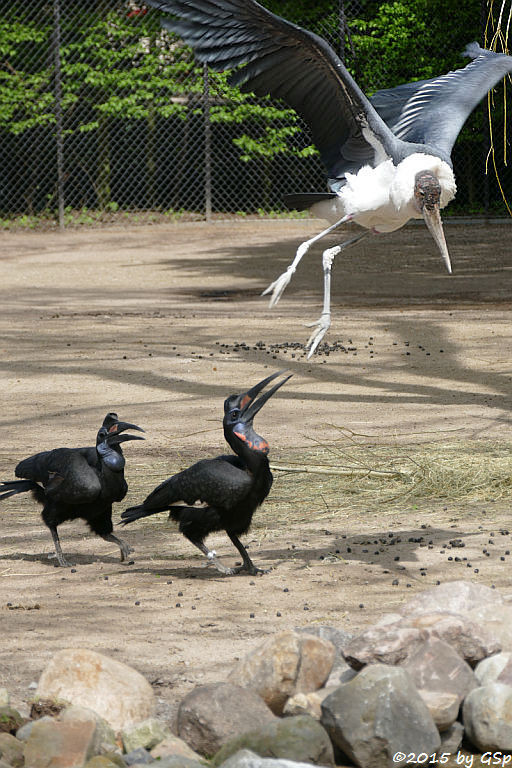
{"x": 231, "y": 488}
{"x": 75, "y": 483}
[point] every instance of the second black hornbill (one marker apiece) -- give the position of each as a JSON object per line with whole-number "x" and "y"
{"x": 229, "y": 488}
{"x": 74, "y": 483}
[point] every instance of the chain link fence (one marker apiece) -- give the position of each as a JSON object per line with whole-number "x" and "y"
{"x": 104, "y": 114}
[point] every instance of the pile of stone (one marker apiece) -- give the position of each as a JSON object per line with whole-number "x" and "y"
{"x": 417, "y": 683}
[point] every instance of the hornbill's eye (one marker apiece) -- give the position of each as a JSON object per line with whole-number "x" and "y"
{"x": 235, "y": 413}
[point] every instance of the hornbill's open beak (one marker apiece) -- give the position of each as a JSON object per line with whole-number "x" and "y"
{"x": 434, "y": 223}
{"x": 249, "y": 406}
{"x": 116, "y": 438}
{"x": 121, "y": 426}
{"x": 115, "y": 429}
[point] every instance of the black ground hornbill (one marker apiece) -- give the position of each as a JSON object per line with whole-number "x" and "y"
{"x": 230, "y": 488}
{"x": 75, "y": 483}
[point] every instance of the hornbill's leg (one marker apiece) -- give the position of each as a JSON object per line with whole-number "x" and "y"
{"x": 248, "y": 564}
{"x": 123, "y": 546}
{"x": 322, "y": 325}
{"x": 278, "y": 286}
{"x": 58, "y": 551}
{"x": 212, "y": 558}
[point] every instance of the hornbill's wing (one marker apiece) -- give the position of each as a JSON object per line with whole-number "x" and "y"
{"x": 273, "y": 56}
{"x": 217, "y": 482}
{"x": 65, "y": 474}
{"x": 434, "y": 111}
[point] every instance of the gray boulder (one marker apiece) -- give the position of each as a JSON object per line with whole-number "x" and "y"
{"x": 487, "y": 717}
{"x": 247, "y": 759}
{"x": 295, "y": 738}
{"x": 212, "y": 714}
{"x": 452, "y": 597}
{"x": 496, "y": 668}
{"x": 378, "y": 713}
{"x": 435, "y": 666}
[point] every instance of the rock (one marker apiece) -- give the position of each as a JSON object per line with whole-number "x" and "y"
{"x": 451, "y": 739}
{"x": 100, "y": 761}
{"x": 497, "y": 621}
{"x": 10, "y": 720}
{"x": 287, "y": 663}
{"x": 294, "y": 738}
{"x": 247, "y": 759}
{"x": 338, "y": 637}
{"x": 212, "y": 714}
{"x": 147, "y": 734}
{"x": 390, "y": 644}
{"x": 307, "y": 703}
{"x": 104, "y": 736}
{"x": 139, "y": 756}
{"x": 487, "y": 717}
{"x": 66, "y": 745}
{"x": 11, "y": 750}
{"x": 435, "y": 666}
{"x": 4, "y": 697}
{"x": 24, "y": 732}
{"x": 495, "y": 669}
{"x": 378, "y": 713}
{"x": 444, "y": 707}
{"x": 179, "y": 762}
{"x": 472, "y": 640}
{"x": 452, "y": 597}
{"x": 114, "y": 690}
{"x": 173, "y": 746}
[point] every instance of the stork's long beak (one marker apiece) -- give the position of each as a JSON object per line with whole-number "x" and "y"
{"x": 434, "y": 223}
{"x": 249, "y": 406}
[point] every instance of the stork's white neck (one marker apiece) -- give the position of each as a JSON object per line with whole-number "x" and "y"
{"x": 401, "y": 191}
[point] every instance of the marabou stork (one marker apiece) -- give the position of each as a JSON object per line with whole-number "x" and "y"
{"x": 387, "y": 157}
{"x": 229, "y": 488}
{"x": 74, "y": 483}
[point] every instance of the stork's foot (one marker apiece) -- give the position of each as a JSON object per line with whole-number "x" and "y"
{"x": 278, "y": 286}
{"x": 321, "y": 326}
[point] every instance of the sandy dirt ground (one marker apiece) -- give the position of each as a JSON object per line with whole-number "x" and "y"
{"x": 162, "y": 323}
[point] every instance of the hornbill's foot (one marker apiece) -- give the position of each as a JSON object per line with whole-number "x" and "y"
{"x": 321, "y": 326}
{"x": 251, "y": 569}
{"x": 124, "y": 548}
{"x": 60, "y": 559}
{"x": 278, "y": 286}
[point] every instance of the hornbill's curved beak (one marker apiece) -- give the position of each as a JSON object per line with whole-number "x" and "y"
{"x": 116, "y": 438}
{"x": 249, "y": 406}
{"x": 115, "y": 429}
{"x": 122, "y": 426}
{"x": 434, "y": 223}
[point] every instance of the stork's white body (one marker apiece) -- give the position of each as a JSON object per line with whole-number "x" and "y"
{"x": 382, "y": 198}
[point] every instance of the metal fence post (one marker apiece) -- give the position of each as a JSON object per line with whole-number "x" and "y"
{"x": 58, "y": 111}
{"x": 207, "y": 146}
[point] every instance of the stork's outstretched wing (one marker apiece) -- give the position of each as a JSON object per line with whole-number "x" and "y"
{"x": 272, "y": 56}
{"x": 434, "y": 111}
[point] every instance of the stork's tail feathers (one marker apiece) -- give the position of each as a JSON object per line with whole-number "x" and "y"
{"x": 12, "y": 487}
{"x": 135, "y": 513}
{"x": 303, "y": 201}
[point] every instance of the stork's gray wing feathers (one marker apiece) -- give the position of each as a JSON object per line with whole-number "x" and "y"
{"x": 285, "y": 61}
{"x": 434, "y": 111}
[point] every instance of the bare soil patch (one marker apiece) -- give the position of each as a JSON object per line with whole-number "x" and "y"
{"x": 162, "y": 323}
